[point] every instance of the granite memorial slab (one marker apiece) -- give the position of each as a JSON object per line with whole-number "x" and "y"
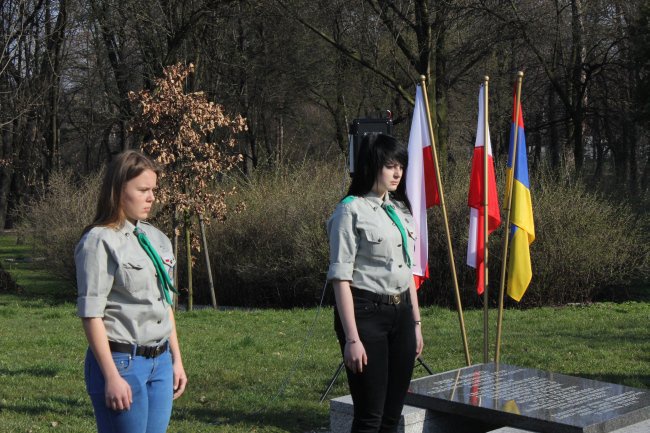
{"x": 531, "y": 399}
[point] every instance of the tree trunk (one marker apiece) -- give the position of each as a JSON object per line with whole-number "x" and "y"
{"x": 51, "y": 71}
{"x": 175, "y": 228}
{"x": 599, "y": 150}
{"x": 250, "y": 160}
{"x": 578, "y": 92}
{"x": 633, "y": 167}
{"x": 554, "y": 145}
{"x": 280, "y": 140}
{"x": 188, "y": 249}
{"x": 340, "y": 112}
{"x": 119, "y": 67}
{"x": 441, "y": 125}
{"x": 6, "y": 171}
{"x": 208, "y": 267}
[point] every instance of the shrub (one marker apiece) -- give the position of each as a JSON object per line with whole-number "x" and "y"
{"x": 275, "y": 253}
{"x": 583, "y": 245}
{"x": 56, "y": 220}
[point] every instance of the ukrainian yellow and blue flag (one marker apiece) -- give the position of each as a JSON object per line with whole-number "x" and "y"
{"x": 522, "y": 226}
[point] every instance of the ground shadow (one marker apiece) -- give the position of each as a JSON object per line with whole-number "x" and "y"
{"x": 31, "y": 371}
{"x": 621, "y": 379}
{"x": 55, "y": 405}
{"x": 42, "y": 284}
{"x": 639, "y": 291}
{"x": 294, "y": 420}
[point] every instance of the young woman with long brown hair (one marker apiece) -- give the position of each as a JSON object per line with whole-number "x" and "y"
{"x": 133, "y": 367}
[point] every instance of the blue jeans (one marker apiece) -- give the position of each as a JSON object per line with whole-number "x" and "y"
{"x": 151, "y": 381}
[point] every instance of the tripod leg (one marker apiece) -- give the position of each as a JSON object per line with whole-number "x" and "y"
{"x": 422, "y": 363}
{"x": 331, "y": 384}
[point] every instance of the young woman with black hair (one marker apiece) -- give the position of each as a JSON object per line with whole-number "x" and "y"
{"x": 377, "y": 318}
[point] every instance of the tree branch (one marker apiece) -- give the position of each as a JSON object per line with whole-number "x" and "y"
{"x": 354, "y": 55}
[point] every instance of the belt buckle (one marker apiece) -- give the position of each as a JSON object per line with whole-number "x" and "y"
{"x": 396, "y": 299}
{"x": 156, "y": 351}
{"x": 151, "y": 351}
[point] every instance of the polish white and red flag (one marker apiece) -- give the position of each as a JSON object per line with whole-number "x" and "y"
{"x": 476, "y": 241}
{"x": 421, "y": 186}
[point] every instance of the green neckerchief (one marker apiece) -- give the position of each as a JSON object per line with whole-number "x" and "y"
{"x": 163, "y": 278}
{"x": 390, "y": 210}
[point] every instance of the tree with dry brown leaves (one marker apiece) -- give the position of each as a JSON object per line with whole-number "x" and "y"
{"x": 193, "y": 139}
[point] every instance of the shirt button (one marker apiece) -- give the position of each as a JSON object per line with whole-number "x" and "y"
{"x": 160, "y": 299}
{"x": 399, "y": 245}
{"x": 159, "y": 322}
{"x": 400, "y": 266}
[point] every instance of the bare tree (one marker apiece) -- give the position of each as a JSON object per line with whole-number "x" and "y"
{"x": 32, "y": 36}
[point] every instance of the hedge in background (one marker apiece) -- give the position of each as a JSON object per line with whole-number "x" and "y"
{"x": 584, "y": 244}
{"x": 275, "y": 253}
{"x": 55, "y": 222}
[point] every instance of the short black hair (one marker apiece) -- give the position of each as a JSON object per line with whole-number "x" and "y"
{"x": 375, "y": 151}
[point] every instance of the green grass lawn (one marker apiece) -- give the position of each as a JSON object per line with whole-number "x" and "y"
{"x": 264, "y": 371}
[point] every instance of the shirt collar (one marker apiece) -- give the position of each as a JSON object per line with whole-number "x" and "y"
{"x": 375, "y": 200}
{"x": 128, "y": 227}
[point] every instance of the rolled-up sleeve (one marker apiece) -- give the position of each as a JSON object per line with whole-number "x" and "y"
{"x": 95, "y": 274}
{"x": 344, "y": 241}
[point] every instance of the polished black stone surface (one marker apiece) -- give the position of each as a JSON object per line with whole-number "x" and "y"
{"x": 531, "y": 399}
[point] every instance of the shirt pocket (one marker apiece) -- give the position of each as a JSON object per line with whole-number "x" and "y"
{"x": 376, "y": 244}
{"x": 136, "y": 274}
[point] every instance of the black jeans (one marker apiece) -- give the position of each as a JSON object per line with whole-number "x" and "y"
{"x": 388, "y": 336}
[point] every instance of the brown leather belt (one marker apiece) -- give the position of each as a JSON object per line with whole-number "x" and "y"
{"x": 146, "y": 351}
{"x": 401, "y": 298}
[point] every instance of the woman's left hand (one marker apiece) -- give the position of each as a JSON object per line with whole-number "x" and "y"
{"x": 419, "y": 341}
{"x": 180, "y": 379}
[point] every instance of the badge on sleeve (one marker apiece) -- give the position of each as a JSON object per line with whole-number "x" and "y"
{"x": 170, "y": 262}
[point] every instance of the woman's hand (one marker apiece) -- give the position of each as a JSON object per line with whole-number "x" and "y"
{"x": 180, "y": 379}
{"x": 419, "y": 341}
{"x": 355, "y": 356}
{"x": 118, "y": 394}
{"x": 117, "y": 391}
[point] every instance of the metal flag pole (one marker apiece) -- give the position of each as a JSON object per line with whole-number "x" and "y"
{"x": 486, "y": 331}
{"x": 459, "y": 306}
{"x": 508, "y": 205}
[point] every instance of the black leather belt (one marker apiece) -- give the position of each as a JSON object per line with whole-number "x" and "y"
{"x": 401, "y": 298}
{"x": 146, "y": 351}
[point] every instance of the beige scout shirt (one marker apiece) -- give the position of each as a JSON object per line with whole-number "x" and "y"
{"x": 366, "y": 246}
{"x": 116, "y": 280}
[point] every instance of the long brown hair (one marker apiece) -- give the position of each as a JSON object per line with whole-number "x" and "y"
{"x": 126, "y": 166}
